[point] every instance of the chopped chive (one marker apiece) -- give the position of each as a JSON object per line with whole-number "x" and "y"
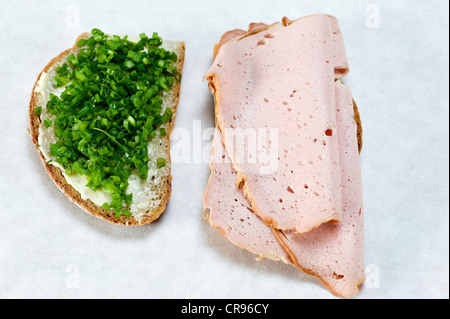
{"x": 110, "y": 108}
{"x": 47, "y": 122}
{"x": 81, "y": 42}
{"x": 111, "y": 137}
{"x": 38, "y": 110}
{"x": 160, "y": 162}
{"x": 103, "y": 150}
{"x": 127, "y": 212}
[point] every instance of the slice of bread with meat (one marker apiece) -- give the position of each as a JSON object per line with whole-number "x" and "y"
{"x": 155, "y": 191}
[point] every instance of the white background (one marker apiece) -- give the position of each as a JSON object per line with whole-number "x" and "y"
{"x": 399, "y": 77}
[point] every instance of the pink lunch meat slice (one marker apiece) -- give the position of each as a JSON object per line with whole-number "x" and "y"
{"x": 227, "y": 209}
{"x": 282, "y": 79}
{"x": 333, "y": 252}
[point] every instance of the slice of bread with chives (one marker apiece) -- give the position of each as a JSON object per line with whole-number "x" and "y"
{"x": 150, "y": 195}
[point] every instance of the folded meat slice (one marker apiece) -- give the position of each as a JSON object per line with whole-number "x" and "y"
{"x": 227, "y": 209}
{"x": 281, "y": 78}
{"x": 332, "y": 252}
{"x": 335, "y": 253}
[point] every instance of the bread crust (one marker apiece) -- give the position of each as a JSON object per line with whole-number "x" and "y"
{"x": 57, "y": 176}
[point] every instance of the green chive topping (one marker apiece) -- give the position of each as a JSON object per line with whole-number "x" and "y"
{"x": 110, "y": 108}
{"x": 160, "y": 162}
{"x": 47, "y": 122}
{"x": 38, "y": 110}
